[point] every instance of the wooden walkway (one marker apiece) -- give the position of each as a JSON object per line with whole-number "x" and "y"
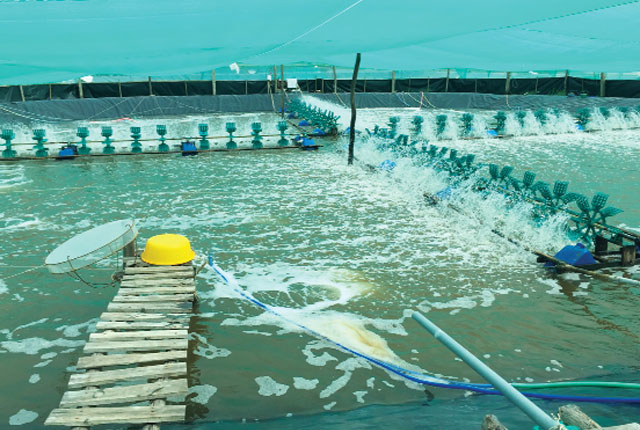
{"x": 137, "y": 359}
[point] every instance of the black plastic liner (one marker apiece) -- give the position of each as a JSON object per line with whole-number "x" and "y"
{"x": 105, "y": 108}
{"x": 544, "y": 86}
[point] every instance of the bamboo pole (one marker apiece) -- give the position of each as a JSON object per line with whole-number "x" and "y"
{"x": 352, "y": 129}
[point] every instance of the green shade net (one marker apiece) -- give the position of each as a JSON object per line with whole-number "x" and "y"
{"x": 53, "y": 41}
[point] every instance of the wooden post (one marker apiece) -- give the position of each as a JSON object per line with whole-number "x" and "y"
{"x": 352, "y": 129}
{"x": 150, "y": 87}
{"x": 364, "y": 86}
{"x": 186, "y": 90}
{"x": 628, "y": 255}
{"x": 446, "y": 83}
{"x": 536, "y": 90}
{"x": 475, "y": 85}
{"x": 335, "y": 80}
{"x": 393, "y": 81}
{"x": 213, "y": 83}
{"x": 603, "y": 83}
{"x": 507, "y": 84}
{"x": 275, "y": 80}
{"x": 601, "y": 245}
{"x": 282, "y": 88}
{"x": 80, "y": 89}
{"x": 246, "y": 87}
{"x": 129, "y": 250}
{"x": 566, "y": 79}
{"x": 322, "y": 86}
{"x": 120, "y": 88}
{"x": 50, "y": 91}
{"x": 21, "y": 93}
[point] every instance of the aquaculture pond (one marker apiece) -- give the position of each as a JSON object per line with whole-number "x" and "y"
{"x": 345, "y": 251}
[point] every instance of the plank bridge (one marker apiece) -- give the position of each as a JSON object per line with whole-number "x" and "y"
{"x": 134, "y": 367}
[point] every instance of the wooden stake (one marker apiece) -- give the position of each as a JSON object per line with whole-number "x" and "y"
{"x": 446, "y": 83}
{"x": 186, "y": 90}
{"x": 50, "y": 91}
{"x": 352, "y": 129}
{"x": 213, "y": 82}
{"x": 566, "y": 79}
{"x": 393, "y": 81}
{"x": 21, "y": 93}
{"x": 603, "y": 83}
{"x": 246, "y": 88}
{"x": 282, "y": 88}
{"x": 507, "y": 84}
{"x": 335, "y": 80}
{"x": 120, "y": 88}
{"x": 80, "y": 89}
{"x": 150, "y": 88}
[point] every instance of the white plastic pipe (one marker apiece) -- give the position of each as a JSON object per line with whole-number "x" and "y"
{"x": 536, "y": 414}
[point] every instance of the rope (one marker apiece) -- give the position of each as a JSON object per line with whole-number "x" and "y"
{"x": 408, "y": 374}
{"x": 26, "y": 271}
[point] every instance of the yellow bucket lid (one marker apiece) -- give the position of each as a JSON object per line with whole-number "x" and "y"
{"x": 167, "y": 250}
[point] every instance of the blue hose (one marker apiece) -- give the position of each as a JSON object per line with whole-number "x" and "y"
{"x": 408, "y": 374}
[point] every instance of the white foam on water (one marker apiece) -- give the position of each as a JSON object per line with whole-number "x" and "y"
{"x": 22, "y": 417}
{"x": 317, "y": 360}
{"x": 33, "y": 345}
{"x": 203, "y": 393}
{"x": 3, "y": 287}
{"x": 48, "y": 355}
{"x": 35, "y": 378}
{"x": 12, "y": 175}
{"x": 269, "y": 387}
{"x": 76, "y": 330}
{"x": 206, "y": 350}
{"x": 304, "y": 384}
{"x": 360, "y": 396}
{"x": 329, "y": 406}
{"x": 44, "y": 363}
{"x": 348, "y": 366}
{"x": 9, "y": 225}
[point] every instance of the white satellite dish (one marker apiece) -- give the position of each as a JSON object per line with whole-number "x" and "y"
{"x": 91, "y": 246}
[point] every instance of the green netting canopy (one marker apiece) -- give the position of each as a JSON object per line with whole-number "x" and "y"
{"x": 53, "y": 41}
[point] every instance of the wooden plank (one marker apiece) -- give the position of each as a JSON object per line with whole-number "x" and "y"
{"x": 157, "y": 282}
{"x": 154, "y": 298}
{"x": 137, "y": 316}
{"x": 133, "y": 335}
{"x": 149, "y": 307}
{"x": 127, "y": 291}
{"x": 143, "y": 325}
{"x": 136, "y": 345}
{"x": 124, "y": 394}
{"x": 159, "y": 275}
{"x": 156, "y": 269}
{"x": 167, "y": 370}
{"x": 95, "y": 361}
{"x": 120, "y": 415}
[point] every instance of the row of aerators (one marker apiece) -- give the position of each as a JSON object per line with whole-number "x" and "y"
{"x": 81, "y": 148}
{"x": 583, "y": 118}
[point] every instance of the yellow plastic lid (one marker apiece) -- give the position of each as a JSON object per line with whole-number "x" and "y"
{"x": 167, "y": 250}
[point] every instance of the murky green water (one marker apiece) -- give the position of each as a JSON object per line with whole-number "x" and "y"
{"x": 343, "y": 251}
